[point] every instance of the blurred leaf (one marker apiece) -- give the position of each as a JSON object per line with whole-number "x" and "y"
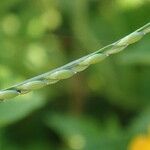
{"x": 85, "y": 134}
{"x": 14, "y": 110}
{"x": 141, "y": 124}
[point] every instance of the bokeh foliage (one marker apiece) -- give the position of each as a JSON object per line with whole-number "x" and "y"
{"x": 103, "y": 108}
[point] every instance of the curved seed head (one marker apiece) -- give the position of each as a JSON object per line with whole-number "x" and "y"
{"x": 132, "y": 38}
{"x": 62, "y": 74}
{"x": 93, "y": 59}
{"x": 8, "y": 94}
{"x": 31, "y": 86}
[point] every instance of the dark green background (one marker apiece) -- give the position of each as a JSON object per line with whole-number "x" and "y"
{"x": 102, "y": 108}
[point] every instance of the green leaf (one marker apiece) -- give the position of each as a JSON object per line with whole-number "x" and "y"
{"x": 14, "y": 110}
{"x": 85, "y": 134}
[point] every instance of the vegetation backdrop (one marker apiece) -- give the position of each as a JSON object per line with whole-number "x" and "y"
{"x": 106, "y": 107}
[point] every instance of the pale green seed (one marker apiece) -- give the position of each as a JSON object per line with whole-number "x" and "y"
{"x": 49, "y": 81}
{"x": 79, "y": 68}
{"x": 115, "y": 49}
{"x": 33, "y": 85}
{"x": 132, "y": 38}
{"x": 61, "y": 74}
{"x": 146, "y": 30}
{"x": 8, "y": 94}
{"x": 93, "y": 59}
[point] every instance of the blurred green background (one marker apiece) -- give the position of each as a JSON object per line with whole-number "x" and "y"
{"x": 106, "y": 107}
